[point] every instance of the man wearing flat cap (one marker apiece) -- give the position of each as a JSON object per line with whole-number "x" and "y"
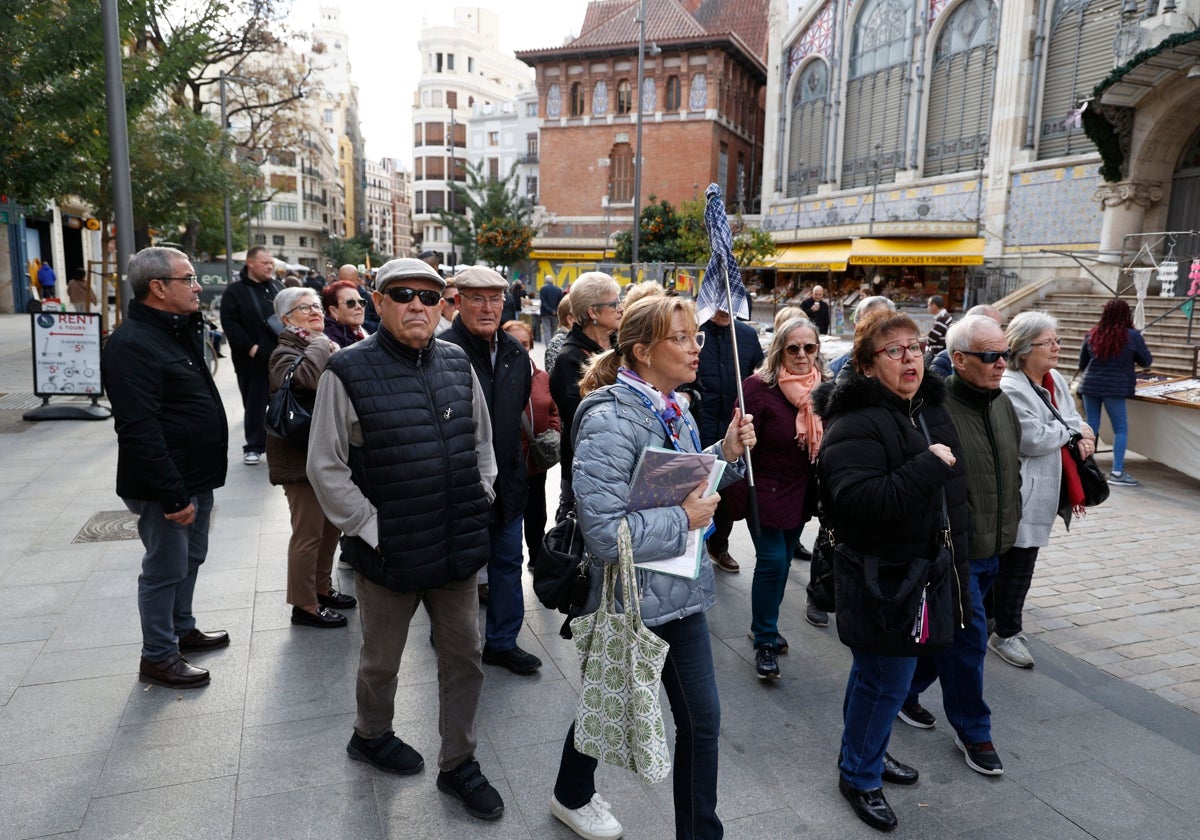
{"x": 400, "y": 456}
{"x": 504, "y": 371}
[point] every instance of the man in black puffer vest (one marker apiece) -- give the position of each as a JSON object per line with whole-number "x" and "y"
{"x": 503, "y": 369}
{"x": 400, "y": 456}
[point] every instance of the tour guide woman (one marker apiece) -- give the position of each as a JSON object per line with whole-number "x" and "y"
{"x": 629, "y": 404}
{"x": 885, "y": 482}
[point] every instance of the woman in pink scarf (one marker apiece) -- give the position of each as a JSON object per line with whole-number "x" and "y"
{"x": 778, "y": 395}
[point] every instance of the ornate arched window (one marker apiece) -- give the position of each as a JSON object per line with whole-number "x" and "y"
{"x": 554, "y": 102}
{"x": 1079, "y": 55}
{"x": 960, "y": 89}
{"x": 673, "y": 96}
{"x": 649, "y": 96}
{"x": 624, "y": 97}
{"x": 600, "y": 98}
{"x": 807, "y": 130}
{"x": 877, "y": 93}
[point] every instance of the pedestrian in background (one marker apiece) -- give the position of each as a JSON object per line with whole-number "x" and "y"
{"x": 413, "y": 503}
{"x": 345, "y": 310}
{"x": 246, "y": 311}
{"x": 304, "y": 349}
{"x": 1034, "y": 386}
{"x": 718, "y": 382}
{"x": 1107, "y": 359}
{"x": 817, "y": 309}
{"x": 449, "y": 307}
{"x": 549, "y": 296}
{"x": 935, "y": 342}
{"x": 890, "y": 479}
{"x": 79, "y": 291}
{"x": 565, "y": 321}
{"x": 46, "y": 280}
{"x": 172, "y": 440}
{"x": 502, "y": 367}
{"x": 543, "y": 416}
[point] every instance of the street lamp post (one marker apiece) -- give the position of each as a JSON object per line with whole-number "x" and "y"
{"x": 228, "y": 220}
{"x": 118, "y": 144}
{"x": 637, "y": 159}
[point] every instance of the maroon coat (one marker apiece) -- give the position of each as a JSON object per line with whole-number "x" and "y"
{"x": 545, "y": 412}
{"x": 781, "y": 467}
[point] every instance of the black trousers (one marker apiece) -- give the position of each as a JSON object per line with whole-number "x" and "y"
{"x": 1009, "y": 591}
{"x": 255, "y": 386}
{"x": 535, "y": 515}
{"x": 722, "y": 528}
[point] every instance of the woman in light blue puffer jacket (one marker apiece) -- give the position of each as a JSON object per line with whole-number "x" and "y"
{"x": 630, "y": 404}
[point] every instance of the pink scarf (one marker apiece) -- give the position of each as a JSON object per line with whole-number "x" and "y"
{"x": 798, "y": 389}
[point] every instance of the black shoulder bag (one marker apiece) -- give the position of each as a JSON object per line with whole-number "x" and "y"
{"x": 286, "y": 417}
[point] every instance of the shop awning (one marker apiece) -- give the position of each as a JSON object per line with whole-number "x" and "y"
{"x": 917, "y": 252}
{"x": 581, "y": 256}
{"x": 812, "y": 256}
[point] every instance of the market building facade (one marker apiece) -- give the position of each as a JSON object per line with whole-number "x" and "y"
{"x": 945, "y": 145}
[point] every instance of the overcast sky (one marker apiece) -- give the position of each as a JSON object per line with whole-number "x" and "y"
{"x": 386, "y": 67}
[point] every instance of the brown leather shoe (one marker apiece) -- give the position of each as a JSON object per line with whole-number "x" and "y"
{"x": 196, "y": 639}
{"x": 172, "y": 672}
{"x": 725, "y": 563}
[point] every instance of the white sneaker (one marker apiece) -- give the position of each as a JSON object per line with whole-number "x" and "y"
{"x": 1012, "y": 650}
{"x": 592, "y": 821}
{"x": 251, "y": 458}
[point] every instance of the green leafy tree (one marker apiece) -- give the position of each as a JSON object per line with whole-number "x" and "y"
{"x": 682, "y": 237}
{"x": 490, "y": 203}
{"x": 659, "y": 235}
{"x": 353, "y": 250}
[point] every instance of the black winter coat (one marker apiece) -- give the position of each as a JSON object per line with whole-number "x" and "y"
{"x": 718, "y": 377}
{"x": 245, "y": 308}
{"x": 507, "y": 389}
{"x": 564, "y": 387}
{"x": 172, "y": 436}
{"x": 882, "y": 494}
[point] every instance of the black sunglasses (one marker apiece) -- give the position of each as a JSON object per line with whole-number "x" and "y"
{"x": 353, "y": 303}
{"x": 403, "y": 294}
{"x": 988, "y": 357}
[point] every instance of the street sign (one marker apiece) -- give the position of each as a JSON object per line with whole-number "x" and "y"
{"x": 66, "y": 353}
{"x": 4, "y": 217}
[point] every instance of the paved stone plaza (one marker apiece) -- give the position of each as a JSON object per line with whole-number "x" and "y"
{"x": 1101, "y": 739}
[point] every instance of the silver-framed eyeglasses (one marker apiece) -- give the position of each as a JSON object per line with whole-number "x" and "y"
{"x": 686, "y": 339}
{"x": 1053, "y": 342}
{"x": 306, "y": 308}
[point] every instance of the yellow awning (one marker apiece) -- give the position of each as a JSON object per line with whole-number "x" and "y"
{"x": 917, "y": 252}
{"x": 586, "y": 256}
{"x": 812, "y": 256}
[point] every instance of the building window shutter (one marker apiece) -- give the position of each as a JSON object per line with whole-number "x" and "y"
{"x": 807, "y": 130}
{"x": 960, "y": 91}
{"x": 1079, "y": 56}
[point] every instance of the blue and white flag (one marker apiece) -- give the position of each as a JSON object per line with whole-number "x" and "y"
{"x": 712, "y": 295}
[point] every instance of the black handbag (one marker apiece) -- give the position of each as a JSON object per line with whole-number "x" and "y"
{"x": 286, "y": 417}
{"x": 561, "y": 571}
{"x": 544, "y": 448}
{"x": 820, "y": 588}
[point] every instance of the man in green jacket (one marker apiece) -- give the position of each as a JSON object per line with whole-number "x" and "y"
{"x": 990, "y": 435}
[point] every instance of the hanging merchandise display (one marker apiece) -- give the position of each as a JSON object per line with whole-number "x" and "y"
{"x": 1168, "y": 273}
{"x": 1141, "y": 282}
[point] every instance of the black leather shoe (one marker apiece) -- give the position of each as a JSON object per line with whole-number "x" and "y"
{"x": 898, "y": 773}
{"x": 801, "y": 553}
{"x": 869, "y": 806}
{"x": 324, "y": 617}
{"x": 196, "y": 639}
{"x": 468, "y": 784}
{"x": 172, "y": 672}
{"x": 337, "y": 600}
{"x": 516, "y": 660}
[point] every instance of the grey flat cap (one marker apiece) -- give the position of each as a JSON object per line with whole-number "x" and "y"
{"x": 406, "y": 268}
{"x": 479, "y": 277}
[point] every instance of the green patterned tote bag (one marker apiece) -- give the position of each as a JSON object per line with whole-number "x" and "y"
{"x": 619, "y": 720}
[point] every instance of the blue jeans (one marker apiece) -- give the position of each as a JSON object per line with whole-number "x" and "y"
{"x": 691, "y": 687}
{"x": 875, "y": 691}
{"x": 960, "y": 668}
{"x": 1115, "y": 408}
{"x": 506, "y": 597}
{"x": 168, "y": 579}
{"x": 773, "y": 548}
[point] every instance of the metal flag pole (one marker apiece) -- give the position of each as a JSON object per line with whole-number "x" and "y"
{"x": 752, "y": 495}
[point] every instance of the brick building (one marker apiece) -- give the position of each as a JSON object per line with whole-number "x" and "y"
{"x": 702, "y": 114}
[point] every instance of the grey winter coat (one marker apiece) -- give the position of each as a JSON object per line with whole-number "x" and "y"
{"x": 612, "y": 427}
{"x": 1042, "y": 439}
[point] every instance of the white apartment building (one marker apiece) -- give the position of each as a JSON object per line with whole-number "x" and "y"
{"x": 337, "y": 101}
{"x": 402, "y": 195}
{"x": 463, "y": 69}
{"x": 503, "y": 135}
{"x": 377, "y": 197}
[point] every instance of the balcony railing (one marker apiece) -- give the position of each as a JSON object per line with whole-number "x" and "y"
{"x": 529, "y": 157}
{"x": 315, "y": 199}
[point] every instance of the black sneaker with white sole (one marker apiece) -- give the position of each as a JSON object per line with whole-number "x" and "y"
{"x": 981, "y": 757}
{"x": 916, "y": 715}
{"x": 766, "y": 662}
